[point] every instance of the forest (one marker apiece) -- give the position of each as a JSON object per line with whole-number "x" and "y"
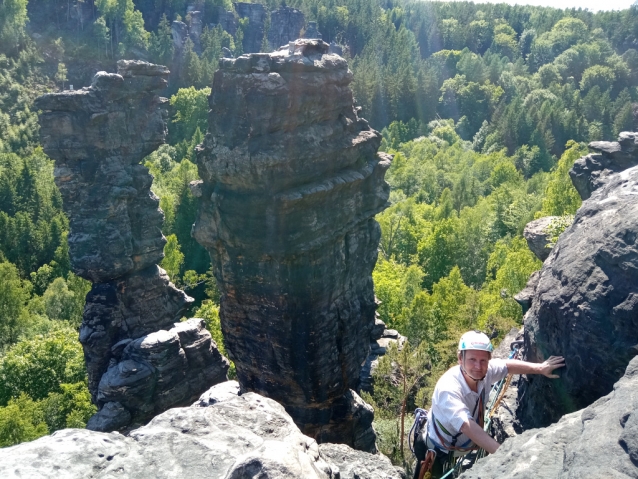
{"x": 485, "y": 107}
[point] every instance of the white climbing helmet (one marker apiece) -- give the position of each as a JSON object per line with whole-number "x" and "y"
{"x": 475, "y": 340}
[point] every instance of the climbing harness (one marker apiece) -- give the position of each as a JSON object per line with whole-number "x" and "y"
{"x": 420, "y": 419}
{"x": 455, "y": 465}
{"x": 498, "y": 393}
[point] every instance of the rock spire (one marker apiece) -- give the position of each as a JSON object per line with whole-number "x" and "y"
{"x": 291, "y": 183}
{"x": 139, "y": 362}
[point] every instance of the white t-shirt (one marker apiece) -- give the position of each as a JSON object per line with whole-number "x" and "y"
{"x": 453, "y": 403}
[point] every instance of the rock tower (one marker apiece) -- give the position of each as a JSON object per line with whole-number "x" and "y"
{"x": 291, "y": 181}
{"x": 139, "y": 362}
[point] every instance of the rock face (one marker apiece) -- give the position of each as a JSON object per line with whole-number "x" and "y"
{"x": 505, "y": 424}
{"x": 380, "y": 340}
{"x": 291, "y": 183}
{"x": 590, "y": 172}
{"x": 585, "y": 306}
{"x": 97, "y": 137}
{"x": 235, "y": 437}
{"x": 526, "y": 296}
{"x": 312, "y": 31}
{"x": 285, "y": 25}
{"x": 599, "y": 441}
{"x": 254, "y": 34}
{"x": 537, "y": 236}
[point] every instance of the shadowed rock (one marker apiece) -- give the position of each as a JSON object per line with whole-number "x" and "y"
{"x": 585, "y": 305}
{"x": 254, "y": 34}
{"x": 285, "y": 25}
{"x": 291, "y": 183}
{"x": 97, "y": 136}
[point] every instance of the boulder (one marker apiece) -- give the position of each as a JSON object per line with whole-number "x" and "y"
{"x": 157, "y": 371}
{"x": 235, "y": 437}
{"x": 354, "y": 464}
{"x": 585, "y": 307}
{"x": 598, "y": 441}
{"x": 538, "y": 237}
{"x": 380, "y": 339}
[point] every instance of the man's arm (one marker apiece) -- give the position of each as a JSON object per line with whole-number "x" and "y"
{"x": 515, "y": 366}
{"x": 479, "y": 437}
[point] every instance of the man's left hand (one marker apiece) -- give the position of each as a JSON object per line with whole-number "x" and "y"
{"x": 553, "y": 362}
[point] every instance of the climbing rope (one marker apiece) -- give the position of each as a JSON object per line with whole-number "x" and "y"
{"x": 498, "y": 393}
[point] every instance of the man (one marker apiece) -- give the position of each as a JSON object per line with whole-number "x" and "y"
{"x": 455, "y": 420}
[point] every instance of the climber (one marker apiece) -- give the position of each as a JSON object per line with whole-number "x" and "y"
{"x": 455, "y": 421}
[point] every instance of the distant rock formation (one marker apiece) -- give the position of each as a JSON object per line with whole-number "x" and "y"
{"x": 254, "y": 34}
{"x": 537, "y": 236}
{"x": 380, "y": 339}
{"x": 591, "y": 171}
{"x": 312, "y": 31}
{"x": 585, "y": 305}
{"x": 286, "y": 24}
{"x": 598, "y": 441}
{"x": 97, "y": 137}
{"x": 291, "y": 184}
{"x": 231, "y": 437}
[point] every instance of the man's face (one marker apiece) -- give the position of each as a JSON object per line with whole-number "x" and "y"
{"x": 475, "y": 363}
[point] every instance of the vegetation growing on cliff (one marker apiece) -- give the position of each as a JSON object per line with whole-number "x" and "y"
{"x": 485, "y": 108}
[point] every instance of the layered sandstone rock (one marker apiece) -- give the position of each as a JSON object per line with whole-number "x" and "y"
{"x": 585, "y": 304}
{"x": 286, "y": 24}
{"x": 97, "y": 137}
{"x": 256, "y": 14}
{"x": 234, "y": 437}
{"x": 291, "y": 183}
{"x": 590, "y": 172}
{"x": 537, "y": 235}
{"x": 380, "y": 340}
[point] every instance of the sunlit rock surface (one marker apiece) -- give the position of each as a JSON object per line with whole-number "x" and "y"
{"x": 585, "y": 304}
{"x": 97, "y": 136}
{"x": 598, "y": 441}
{"x": 291, "y": 184}
{"x": 234, "y": 437}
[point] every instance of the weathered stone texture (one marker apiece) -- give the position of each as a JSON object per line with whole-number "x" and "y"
{"x": 380, "y": 339}
{"x": 596, "y": 442}
{"x": 156, "y": 372}
{"x": 286, "y": 24}
{"x": 537, "y": 235}
{"x": 254, "y": 34}
{"x": 235, "y": 437}
{"x": 591, "y": 171}
{"x": 291, "y": 182}
{"x": 97, "y": 136}
{"x": 585, "y": 305}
